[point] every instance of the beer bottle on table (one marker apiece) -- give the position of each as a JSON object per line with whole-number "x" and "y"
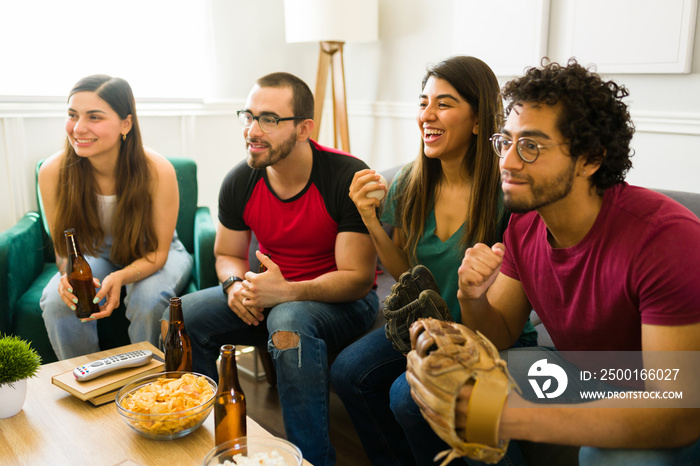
{"x": 79, "y": 276}
{"x": 177, "y": 345}
{"x": 229, "y": 403}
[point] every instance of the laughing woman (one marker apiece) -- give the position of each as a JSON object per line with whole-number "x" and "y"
{"x": 440, "y": 204}
{"x": 122, "y": 200}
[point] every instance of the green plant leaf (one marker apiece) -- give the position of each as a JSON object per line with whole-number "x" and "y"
{"x": 18, "y": 360}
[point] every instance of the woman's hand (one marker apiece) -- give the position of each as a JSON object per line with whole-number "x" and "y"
{"x": 360, "y": 187}
{"x": 111, "y": 291}
{"x": 65, "y": 291}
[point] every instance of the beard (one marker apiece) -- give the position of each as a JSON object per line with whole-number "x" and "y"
{"x": 543, "y": 193}
{"x": 274, "y": 153}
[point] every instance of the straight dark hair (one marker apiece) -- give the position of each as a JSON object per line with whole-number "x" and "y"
{"x": 133, "y": 231}
{"x": 477, "y": 84}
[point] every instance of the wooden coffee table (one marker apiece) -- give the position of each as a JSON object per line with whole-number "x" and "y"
{"x": 54, "y": 427}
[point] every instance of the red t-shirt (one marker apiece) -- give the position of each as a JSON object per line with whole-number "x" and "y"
{"x": 299, "y": 233}
{"x": 637, "y": 265}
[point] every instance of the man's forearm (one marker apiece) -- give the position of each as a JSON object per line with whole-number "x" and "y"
{"x": 478, "y": 314}
{"x": 229, "y": 265}
{"x": 601, "y": 426}
{"x": 333, "y": 287}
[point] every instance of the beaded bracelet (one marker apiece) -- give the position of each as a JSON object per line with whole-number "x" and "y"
{"x": 138, "y": 273}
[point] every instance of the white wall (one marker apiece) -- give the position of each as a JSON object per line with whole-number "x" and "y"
{"x": 382, "y": 80}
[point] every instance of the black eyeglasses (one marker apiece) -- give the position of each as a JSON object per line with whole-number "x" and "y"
{"x": 528, "y": 149}
{"x": 268, "y": 123}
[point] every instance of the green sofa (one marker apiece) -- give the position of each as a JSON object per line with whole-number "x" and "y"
{"x": 27, "y": 263}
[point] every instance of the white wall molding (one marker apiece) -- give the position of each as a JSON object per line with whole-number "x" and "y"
{"x": 667, "y": 122}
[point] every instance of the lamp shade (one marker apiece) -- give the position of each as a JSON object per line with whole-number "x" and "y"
{"x": 331, "y": 20}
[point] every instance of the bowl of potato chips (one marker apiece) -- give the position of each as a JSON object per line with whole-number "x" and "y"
{"x": 166, "y": 405}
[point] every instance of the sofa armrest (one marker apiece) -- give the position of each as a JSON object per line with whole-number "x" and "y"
{"x": 21, "y": 262}
{"x": 204, "y": 263}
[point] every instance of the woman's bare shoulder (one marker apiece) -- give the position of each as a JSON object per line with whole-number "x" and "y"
{"x": 163, "y": 170}
{"x": 52, "y": 164}
{"x": 162, "y": 165}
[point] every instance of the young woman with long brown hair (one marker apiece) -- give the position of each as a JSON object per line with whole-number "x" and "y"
{"x": 122, "y": 200}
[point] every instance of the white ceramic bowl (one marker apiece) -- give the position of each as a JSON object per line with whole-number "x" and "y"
{"x": 164, "y": 426}
{"x": 253, "y": 447}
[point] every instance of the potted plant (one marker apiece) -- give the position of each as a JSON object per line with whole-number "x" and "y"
{"x": 18, "y": 361}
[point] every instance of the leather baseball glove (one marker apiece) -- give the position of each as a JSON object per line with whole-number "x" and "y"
{"x": 414, "y": 296}
{"x": 445, "y": 357}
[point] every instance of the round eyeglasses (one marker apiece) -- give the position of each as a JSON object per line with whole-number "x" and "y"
{"x": 528, "y": 149}
{"x": 268, "y": 123}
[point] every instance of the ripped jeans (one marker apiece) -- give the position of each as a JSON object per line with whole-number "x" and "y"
{"x": 315, "y": 329}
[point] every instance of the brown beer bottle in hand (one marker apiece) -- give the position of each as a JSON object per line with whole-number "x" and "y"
{"x": 229, "y": 403}
{"x": 262, "y": 267}
{"x": 79, "y": 276}
{"x": 177, "y": 345}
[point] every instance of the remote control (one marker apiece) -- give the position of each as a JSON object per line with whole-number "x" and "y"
{"x": 112, "y": 363}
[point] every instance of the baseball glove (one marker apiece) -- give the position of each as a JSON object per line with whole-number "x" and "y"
{"x": 446, "y": 356}
{"x": 408, "y": 301}
{"x": 398, "y": 323}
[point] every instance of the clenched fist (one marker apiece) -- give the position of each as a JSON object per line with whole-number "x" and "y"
{"x": 479, "y": 269}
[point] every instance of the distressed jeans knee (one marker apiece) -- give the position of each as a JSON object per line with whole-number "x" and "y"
{"x": 285, "y": 340}
{"x": 282, "y": 341}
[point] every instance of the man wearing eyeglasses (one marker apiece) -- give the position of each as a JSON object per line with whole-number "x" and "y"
{"x": 606, "y": 266}
{"x": 316, "y": 294}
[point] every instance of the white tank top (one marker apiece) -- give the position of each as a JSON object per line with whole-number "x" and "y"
{"x": 106, "y": 205}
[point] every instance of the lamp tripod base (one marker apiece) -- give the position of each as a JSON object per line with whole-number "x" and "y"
{"x": 331, "y": 56}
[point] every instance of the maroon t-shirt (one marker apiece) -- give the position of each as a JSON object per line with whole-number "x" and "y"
{"x": 299, "y": 233}
{"x": 637, "y": 265}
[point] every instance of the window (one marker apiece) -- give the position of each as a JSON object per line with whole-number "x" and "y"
{"x": 158, "y": 46}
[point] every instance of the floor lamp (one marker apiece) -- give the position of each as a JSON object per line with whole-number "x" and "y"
{"x": 331, "y": 23}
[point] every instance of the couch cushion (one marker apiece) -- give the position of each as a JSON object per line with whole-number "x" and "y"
{"x": 690, "y": 200}
{"x": 186, "y": 170}
{"x": 24, "y": 246}
{"x": 28, "y": 322}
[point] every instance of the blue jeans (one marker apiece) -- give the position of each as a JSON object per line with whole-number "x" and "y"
{"x": 362, "y": 375}
{"x": 369, "y": 376}
{"x": 686, "y": 456}
{"x": 144, "y": 303}
{"x": 302, "y": 371}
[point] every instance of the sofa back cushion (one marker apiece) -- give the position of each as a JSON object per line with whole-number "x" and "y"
{"x": 186, "y": 172}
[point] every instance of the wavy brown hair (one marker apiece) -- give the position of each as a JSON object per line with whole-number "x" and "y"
{"x": 476, "y": 83}
{"x": 133, "y": 234}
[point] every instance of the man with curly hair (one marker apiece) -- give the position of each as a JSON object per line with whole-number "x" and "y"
{"x": 607, "y": 266}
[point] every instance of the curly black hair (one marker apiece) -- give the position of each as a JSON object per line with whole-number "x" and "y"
{"x": 593, "y": 118}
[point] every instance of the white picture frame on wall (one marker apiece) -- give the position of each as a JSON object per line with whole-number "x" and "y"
{"x": 631, "y": 36}
{"x": 517, "y": 36}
